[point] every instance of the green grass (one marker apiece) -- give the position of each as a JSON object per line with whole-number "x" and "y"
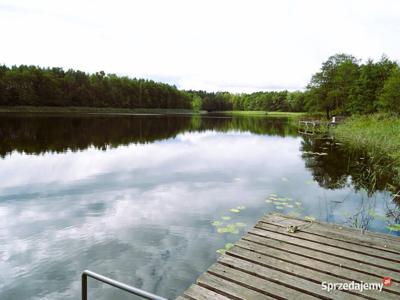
{"x": 375, "y": 133}
{"x": 100, "y": 110}
{"x": 110, "y": 110}
{"x": 262, "y": 113}
{"x": 378, "y": 135}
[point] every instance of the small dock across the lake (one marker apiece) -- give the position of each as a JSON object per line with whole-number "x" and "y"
{"x": 289, "y": 258}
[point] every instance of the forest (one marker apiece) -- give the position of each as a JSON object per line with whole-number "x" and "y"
{"x": 344, "y": 85}
{"x": 35, "y": 86}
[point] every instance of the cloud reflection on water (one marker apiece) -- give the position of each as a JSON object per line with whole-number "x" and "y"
{"x": 139, "y": 213}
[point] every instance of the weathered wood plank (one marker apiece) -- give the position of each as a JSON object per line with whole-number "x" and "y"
{"x": 265, "y": 230}
{"x": 335, "y": 243}
{"x": 257, "y": 284}
{"x": 306, "y": 268}
{"x": 228, "y": 288}
{"x": 367, "y": 238}
{"x": 331, "y": 264}
{"x": 200, "y": 293}
{"x": 295, "y": 282}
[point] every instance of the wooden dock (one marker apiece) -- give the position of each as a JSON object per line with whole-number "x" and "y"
{"x": 290, "y": 258}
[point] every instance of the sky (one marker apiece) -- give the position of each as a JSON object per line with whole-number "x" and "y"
{"x": 213, "y": 45}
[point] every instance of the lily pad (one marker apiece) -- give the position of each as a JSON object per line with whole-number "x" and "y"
{"x": 273, "y": 195}
{"x": 289, "y": 205}
{"x": 231, "y": 228}
{"x": 279, "y": 207}
{"x": 241, "y": 207}
{"x": 229, "y": 246}
{"x": 268, "y": 201}
{"x": 240, "y": 224}
{"x": 216, "y": 223}
{"x": 234, "y": 210}
{"x": 394, "y": 227}
{"x": 298, "y": 203}
{"x": 221, "y": 251}
{"x": 226, "y": 218}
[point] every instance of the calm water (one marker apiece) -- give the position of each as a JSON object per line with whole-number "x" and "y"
{"x": 134, "y": 197}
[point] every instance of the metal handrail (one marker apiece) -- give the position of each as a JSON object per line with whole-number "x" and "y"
{"x": 117, "y": 284}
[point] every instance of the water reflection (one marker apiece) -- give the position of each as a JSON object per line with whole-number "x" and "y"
{"x": 135, "y": 197}
{"x": 36, "y": 134}
{"x": 333, "y": 165}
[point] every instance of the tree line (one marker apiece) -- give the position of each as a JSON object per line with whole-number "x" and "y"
{"x": 35, "y": 86}
{"x": 343, "y": 85}
{"x": 260, "y": 101}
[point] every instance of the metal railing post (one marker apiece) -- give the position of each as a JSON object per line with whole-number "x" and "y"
{"x": 114, "y": 283}
{"x": 84, "y": 286}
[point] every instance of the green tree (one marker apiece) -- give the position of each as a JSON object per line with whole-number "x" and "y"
{"x": 330, "y": 88}
{"x": 389, "y": 99}
{"x": 364, "y": 96}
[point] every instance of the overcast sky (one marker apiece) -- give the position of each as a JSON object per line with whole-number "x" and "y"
{"x": 239, "y": 46}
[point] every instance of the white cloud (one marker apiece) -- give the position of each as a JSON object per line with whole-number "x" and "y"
{"x": 214, "y": 45}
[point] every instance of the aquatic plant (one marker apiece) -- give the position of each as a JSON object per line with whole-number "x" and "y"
{"x": 239, "y": 224}
{"x": 216, "y": 223}
{"x": 377, "y": 136}
{"x": 394, "y": 227}
{"x": 226, "y": 248}
{"x": 230, "y": 228}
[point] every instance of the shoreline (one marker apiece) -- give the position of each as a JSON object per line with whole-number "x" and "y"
{"x": 377, "y": 135}
{"x": 95, "y": 110}
{"x": 138, "y": 111}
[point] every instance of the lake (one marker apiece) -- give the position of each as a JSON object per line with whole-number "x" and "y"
{"x": 150, "y": 199}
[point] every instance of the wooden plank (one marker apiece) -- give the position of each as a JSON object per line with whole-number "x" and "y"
{"x": 257, "y": 284}
{"x": 340, "y": 233}
{"x": 332, "y": 226}
{"x": 335, "y": 243}
{"x": 228, "y": 288}
{"x": 200, "y": 293}
{"x": 306, "y": 268}
{"x": 329, "y": 264}
{"x": 388, "y": 265}
{"x": 285, "y": 279}
{"x": 378, "y": 240}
